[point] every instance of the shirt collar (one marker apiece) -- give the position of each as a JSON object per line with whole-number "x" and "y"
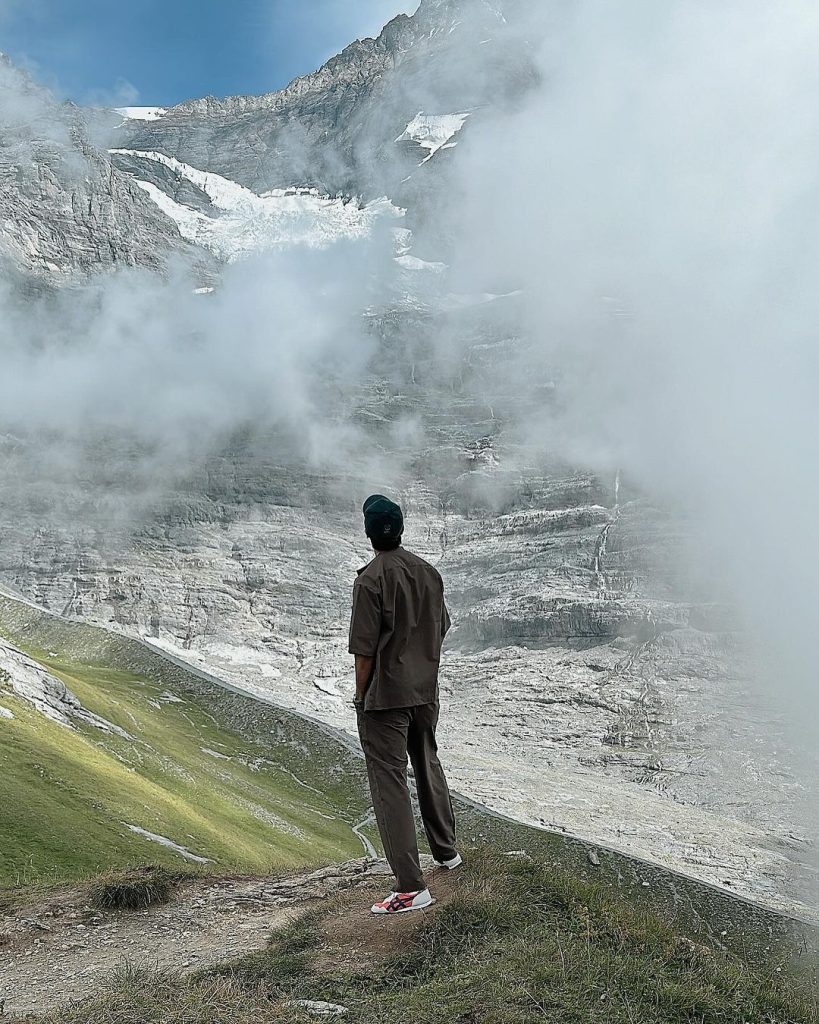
{"x": 376, "y": 556}
{"x": 364, "y": 568}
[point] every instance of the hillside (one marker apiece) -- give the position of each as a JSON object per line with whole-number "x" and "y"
{"x": 140, "y": 768}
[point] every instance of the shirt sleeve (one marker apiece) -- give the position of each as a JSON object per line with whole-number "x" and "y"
{"x": 365, "y": 623}
{"x": 446, "y": 622}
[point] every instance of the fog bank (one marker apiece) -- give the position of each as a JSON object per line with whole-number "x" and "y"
{"x": 657, "y": 200}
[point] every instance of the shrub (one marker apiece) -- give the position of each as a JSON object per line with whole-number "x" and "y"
{"x": 134, "y": 889}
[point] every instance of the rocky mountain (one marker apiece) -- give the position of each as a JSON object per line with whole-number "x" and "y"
{"x": 88, "y": 190}
{"x": 335, "y": 129}
{"x": 64, "y": 208}
{"x": 364, "y": 126}
{"x": 590, "y": 682}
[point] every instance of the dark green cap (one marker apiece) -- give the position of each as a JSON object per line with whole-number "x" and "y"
{"x": 383, "y": 519}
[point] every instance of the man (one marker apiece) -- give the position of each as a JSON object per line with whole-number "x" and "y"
{"x": 398, "y": 625}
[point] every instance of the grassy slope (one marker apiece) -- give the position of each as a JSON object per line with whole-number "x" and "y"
{"x": 519, "y": 943}
{"x": 67, "y": 792}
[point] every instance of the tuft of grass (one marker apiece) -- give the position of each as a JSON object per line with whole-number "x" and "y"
{"x": 284, "y": 965}
{"x": 136, "y": 889}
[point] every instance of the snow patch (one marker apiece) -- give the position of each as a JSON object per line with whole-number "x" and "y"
{"x": 456, "y": 301}
{"x": 191, "y": 223}
{"x": 403, "y": 247}
{"x": 433, "y": 132}
{"x": 164, "y": 841}
{"x": 328, "y": 686}
{"x": 247, "y": 223}
{"x": 216, "y": 754}
{"x": 414, "y": 263}
{"x": 141, "y": 113}
{"x": 5, "y": 713}
{"x": 403, "y": 240}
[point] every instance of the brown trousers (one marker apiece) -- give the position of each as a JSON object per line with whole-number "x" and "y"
{"x": 388, "y": 738}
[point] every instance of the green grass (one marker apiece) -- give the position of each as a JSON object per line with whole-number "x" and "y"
{"x": 519, "y": 943}
{"x": 69, "y": 794}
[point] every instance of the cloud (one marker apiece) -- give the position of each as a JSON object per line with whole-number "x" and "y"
{"x": 139, "y": 364}
{"x": 121, "y": 93}
{"x": 657, "y": 199}
{"x": 174, "y": 374}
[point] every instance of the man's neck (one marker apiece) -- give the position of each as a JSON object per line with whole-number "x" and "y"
{"x": 386, "y": 551}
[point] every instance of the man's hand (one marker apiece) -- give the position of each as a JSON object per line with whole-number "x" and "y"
{"x": 364, "y": 668}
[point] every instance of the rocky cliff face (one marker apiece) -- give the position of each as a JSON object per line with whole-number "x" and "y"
{"x": 64, "y": 208}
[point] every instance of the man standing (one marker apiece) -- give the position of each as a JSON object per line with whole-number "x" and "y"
{"x": 398, "y": 625}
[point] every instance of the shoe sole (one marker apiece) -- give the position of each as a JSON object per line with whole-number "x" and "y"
{"x": 446, "y": 867}
{"x": 403, "y": 910}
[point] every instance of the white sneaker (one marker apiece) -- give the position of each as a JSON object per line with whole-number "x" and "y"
{"x": 450, "y": 865}
{"x": 403, "y": 902}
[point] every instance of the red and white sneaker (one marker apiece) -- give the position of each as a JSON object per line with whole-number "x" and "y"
{"x": 403, "y": 902}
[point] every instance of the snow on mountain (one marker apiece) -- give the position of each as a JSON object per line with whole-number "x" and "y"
{"x": 433, "y": 132}
{"x": 141, "y": 113}
{"x": 167, "y": 843}
{"x": 409, "y": 262}
{"x": 245, "y": 223}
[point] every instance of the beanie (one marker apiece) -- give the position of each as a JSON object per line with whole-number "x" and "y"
{"x": 383, "y": 519}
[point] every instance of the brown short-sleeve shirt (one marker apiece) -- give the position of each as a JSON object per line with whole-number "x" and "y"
{"x": 400, "y": 619}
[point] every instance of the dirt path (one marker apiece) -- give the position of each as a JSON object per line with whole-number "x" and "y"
{"x": 61, "y": 950}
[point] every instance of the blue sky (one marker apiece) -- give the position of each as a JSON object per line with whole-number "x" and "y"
{"x": 158, "y": 52}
